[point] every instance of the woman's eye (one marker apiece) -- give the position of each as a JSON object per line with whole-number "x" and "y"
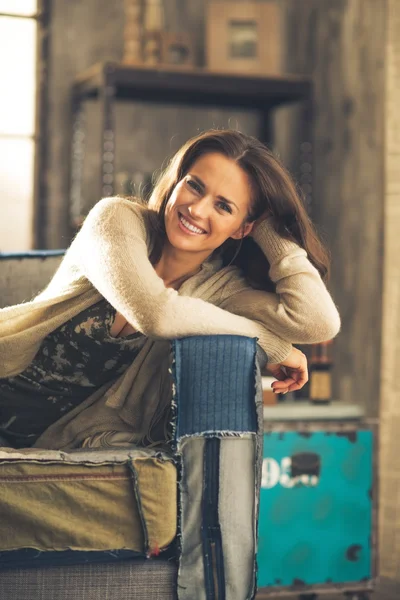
{"x": 225, "y": 206}
{"x": 194, "y": 185}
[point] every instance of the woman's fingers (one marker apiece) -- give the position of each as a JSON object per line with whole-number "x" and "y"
{"x": 283, "y": 386}
{"x": 291, "y": 374}
{"x": 302, "y": 380}
{"x": 284, "y": 382}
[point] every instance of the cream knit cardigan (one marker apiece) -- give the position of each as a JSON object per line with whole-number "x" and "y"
{"x": 109, "y": 258}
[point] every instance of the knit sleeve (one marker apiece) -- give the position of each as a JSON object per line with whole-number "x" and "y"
{"x": 111, "y": 252}
{"x": 301, "y": 310}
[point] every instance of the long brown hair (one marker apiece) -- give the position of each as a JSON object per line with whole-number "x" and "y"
{"x": 273, "y": 192}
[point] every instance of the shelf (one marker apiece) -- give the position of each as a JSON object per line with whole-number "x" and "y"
{"x": 305, "y": 411}
{"x": 191, "y": 86}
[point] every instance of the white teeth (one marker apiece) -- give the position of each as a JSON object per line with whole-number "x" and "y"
{"x": 190, "y": 226}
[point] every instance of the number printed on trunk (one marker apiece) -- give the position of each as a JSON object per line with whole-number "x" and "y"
{"x": 275, "y": 473}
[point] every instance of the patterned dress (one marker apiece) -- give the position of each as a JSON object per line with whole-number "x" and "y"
{"x": 72, "y": 362}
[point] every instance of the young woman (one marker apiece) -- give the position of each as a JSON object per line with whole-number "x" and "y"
{"x": 224, "y": 246}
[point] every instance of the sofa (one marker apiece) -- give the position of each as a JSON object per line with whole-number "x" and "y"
{"x": 199, "y": 496}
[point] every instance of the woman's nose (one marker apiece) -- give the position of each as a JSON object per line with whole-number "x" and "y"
{"x": 200, "y": 208}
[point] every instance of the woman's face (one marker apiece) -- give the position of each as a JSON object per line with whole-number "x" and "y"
{"x": 208, "y": 206}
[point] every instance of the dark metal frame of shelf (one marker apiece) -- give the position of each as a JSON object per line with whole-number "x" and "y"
{"x": 109, "y": 82}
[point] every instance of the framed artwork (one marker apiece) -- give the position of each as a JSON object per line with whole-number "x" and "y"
{"x": 244, "y": 37}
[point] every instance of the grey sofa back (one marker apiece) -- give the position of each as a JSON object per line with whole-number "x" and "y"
{"x": 23, "y": 275}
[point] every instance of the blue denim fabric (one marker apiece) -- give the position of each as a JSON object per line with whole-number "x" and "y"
{"x": 215, "y": 384}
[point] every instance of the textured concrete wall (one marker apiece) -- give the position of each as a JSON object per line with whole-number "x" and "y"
{"x": 82, "y": 33}
{"x": 341, "y": 43}
{"x": 390, "y": 363}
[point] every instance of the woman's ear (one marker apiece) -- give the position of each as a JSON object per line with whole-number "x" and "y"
{"x": 243, "y": 231}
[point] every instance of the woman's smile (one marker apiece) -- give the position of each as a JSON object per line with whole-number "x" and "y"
{"x": 188, "y": 226}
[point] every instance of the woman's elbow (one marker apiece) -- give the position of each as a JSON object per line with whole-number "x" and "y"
{"x": 319, "y": 328}
{"x": 334, "y": 327}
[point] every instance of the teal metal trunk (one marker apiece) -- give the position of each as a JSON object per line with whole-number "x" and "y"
{"x": 317, "y": 524}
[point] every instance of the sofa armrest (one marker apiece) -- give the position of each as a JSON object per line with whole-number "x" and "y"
{"x": 218, "y": 441}
{"x": 216, "y": 379}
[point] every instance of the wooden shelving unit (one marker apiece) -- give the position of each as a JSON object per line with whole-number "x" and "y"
{"x": 109, "y": 82}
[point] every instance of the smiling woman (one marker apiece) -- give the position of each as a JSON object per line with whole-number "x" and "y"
{"x": 136, "y": 275}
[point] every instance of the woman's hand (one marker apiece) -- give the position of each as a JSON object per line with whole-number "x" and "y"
{"x": 266, "y": 216}
{"x": 292, "y": 373}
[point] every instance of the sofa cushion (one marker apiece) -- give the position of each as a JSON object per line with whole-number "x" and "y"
{"x": 87, "y": 501}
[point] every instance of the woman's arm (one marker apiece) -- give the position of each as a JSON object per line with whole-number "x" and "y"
{"x": 302, "y": 309}
{"x": 112, "y": 254}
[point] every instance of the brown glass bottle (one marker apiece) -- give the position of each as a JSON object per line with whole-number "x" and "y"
{"x": 320, "y": 367}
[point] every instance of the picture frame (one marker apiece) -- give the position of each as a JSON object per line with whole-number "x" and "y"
{"x": 244, "y": 37}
